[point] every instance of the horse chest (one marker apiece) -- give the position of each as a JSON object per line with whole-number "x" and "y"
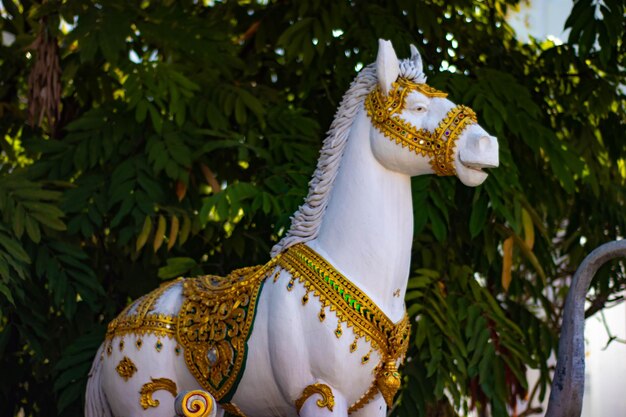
{"x": 314, "y": 326}
{"x": 297, "y": 342}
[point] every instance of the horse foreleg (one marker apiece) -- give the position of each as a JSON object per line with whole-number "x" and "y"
{"x": 320, "y": 400}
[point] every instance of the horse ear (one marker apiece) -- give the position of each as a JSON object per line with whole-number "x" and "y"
{"x": 417, "y": 59}
{"x": 387, "y": 65}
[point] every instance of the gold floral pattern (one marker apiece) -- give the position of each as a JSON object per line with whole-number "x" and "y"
{"x": 126, "y": 368}
{"x": 214, "y": 324}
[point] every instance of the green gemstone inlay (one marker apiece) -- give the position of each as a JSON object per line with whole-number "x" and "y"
{"x": 336, "y": 286}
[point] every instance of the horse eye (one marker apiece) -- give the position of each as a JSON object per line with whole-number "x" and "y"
{"x": 419, "y": 109}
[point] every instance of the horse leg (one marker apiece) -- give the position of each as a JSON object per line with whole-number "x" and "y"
{"x": 141, "y": 375}
{"x": 319, "y": 400}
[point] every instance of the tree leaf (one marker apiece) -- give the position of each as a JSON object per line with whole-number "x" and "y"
{"x": 176, "y": 267}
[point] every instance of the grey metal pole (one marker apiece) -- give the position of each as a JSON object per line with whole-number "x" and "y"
{"x": 566, "y": 395}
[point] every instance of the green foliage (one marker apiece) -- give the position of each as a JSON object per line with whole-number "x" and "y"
{"x": 188, "y": 132}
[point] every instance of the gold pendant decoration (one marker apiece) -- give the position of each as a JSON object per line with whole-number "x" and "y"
{"x": 214, "y": 325}
{"x": 353, "y": 346}
{"x": 327, "y": 400}
{"x": 439, "y": 145}
{"x": 196, "y": 403}
{"x": 353, "y": 307}
{"x": 149, "y": 388}
{"x": 126, "y": 368}
{"x": 388, "y": 381}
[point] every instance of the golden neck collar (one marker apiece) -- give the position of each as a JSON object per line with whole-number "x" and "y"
{"x": 354, "y": 308}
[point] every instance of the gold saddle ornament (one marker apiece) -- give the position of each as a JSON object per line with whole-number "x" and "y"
{"x": 215, "y": 323}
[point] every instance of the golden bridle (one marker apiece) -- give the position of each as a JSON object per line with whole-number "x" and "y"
{"x": 438, "y": 146}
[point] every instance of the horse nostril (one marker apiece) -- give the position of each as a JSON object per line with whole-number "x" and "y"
{"x": 484, "y": 143}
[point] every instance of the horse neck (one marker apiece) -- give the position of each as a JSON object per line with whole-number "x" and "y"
{"x": 367, "y": 228}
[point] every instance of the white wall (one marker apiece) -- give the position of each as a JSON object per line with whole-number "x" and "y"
{"x": 541, "y": 19}
{"x": 605, "y": 379}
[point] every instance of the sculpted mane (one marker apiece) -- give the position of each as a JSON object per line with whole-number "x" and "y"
{"x": 306, "y": 221}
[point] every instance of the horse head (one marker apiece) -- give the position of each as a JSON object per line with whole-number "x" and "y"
{"x": 438, "y": 136}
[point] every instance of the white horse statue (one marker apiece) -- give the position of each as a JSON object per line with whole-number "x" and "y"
{"x": 322, "y": 327}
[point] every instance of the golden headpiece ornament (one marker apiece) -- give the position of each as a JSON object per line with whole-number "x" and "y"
{"x": 438, "y": 145}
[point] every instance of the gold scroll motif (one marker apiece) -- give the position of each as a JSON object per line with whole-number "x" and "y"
{"x": 214, "y": 325}
{"x": 358, "y": 311}
{"x": 327, "y": 400}
{"x": 439, "y": 145}
{"x": 126, "y": 368}
{"x": 149, "y": 388}
{"x": 197, "y": 403}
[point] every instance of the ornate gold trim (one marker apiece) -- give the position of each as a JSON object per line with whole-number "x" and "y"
{"x": 327, "y": 400}
{"x": 140, "y": 322}
{"x": 126, "y": 368}
{"x": 197, "y": 403}
{"x": 232, "y": 408}
{"x": 351, "y": 305}
{"x": 439, "y": 145}
{"x": 365, "y": 398}
{"x": 214, "y": 324}
{"x": 357, "y": 310}
{"x": 149, "y": 388}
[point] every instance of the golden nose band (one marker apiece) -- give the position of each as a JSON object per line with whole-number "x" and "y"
{"x": 439, "y": 145}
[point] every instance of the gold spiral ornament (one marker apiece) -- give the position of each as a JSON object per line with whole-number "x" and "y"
{"x": 197, "y": 403}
